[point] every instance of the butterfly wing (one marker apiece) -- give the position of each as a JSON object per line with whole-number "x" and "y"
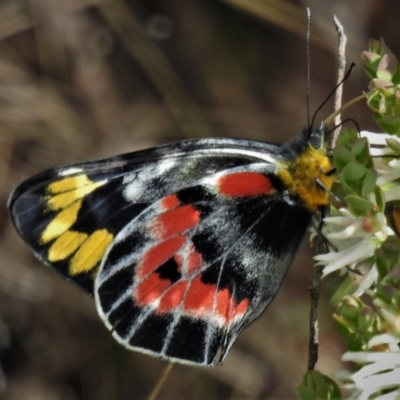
{"x": 69, "y": 216}
{"x": 184, "y": 277}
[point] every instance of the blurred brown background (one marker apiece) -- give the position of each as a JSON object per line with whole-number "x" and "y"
{"x": 84, "y": 79}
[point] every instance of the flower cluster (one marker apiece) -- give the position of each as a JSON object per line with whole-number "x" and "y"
{"x": 355, "y": 237}
{"x": 365, "y": 245}
{"x": 380, "y": 374}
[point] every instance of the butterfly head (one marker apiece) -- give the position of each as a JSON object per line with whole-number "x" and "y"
{"x": 305, "y": 164}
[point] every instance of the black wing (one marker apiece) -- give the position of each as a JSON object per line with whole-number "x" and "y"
{"x": 185, "y": 276}
{"x": 70, "y": 215}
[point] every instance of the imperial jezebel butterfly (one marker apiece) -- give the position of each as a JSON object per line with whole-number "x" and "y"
{"x": 182, "y": 246}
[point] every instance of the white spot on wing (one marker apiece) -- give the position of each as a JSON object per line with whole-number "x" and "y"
{"x": 250, "y": 153}
{"x": 138, "y": 182}
{"x": 70, "y": 171}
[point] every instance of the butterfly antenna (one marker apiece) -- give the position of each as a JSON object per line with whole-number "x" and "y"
{"x": 344, "y": 122}
{"x": 332, "y": 92}
{"x": 308, "y": 66}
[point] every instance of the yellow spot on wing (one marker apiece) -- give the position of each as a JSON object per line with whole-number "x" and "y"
{"x": 69, "y": 195}
{"x": 91, "y": 252}
{"x": 66, "y": 184}
{"x": 61, "y": 222}
{"x": 65, "y": 245}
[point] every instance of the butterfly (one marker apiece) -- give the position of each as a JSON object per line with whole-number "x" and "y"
{"x": 183, "y": 245}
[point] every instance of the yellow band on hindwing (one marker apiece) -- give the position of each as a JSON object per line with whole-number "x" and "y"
{"x": 70, "y": 183}
{"x": 91, "y": 252}
{"x": 66, "y": 245}
{"x": 64, "y": 192}
{"x": 64, "y": 198}
{"x": 61, "y": 222}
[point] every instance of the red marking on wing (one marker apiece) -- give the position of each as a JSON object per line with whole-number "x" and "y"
{"x": 199, "y": 297}
{"x": 159, "y": 254}
{"x": 241, "y": 184}
{"x": 227, "y": 307}
{"x": 150, "y": 289}
{"x": 193, "y": 297}
{"x": 178, "y": 258}
{"x": 170, "y": 202}
{"x": 175, "y": 221}
{"x": 194, "y": 260}
{"x": 199, "y": 301}
{"x": 224, "y": 304}
{"x": 240, "y": 308}
{"x": 172, "y": 297}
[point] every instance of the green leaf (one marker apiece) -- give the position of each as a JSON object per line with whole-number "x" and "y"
{"x": 341, "y": 157}
{"x": 387, "y": 68}
{"x": 349, "y": 308}
{"x": 341, "y": 325}
{"x": 354, "y": 341}
{"x": 387, "y": 256}
{"x": 360, "y": 151}
{"x": 372, "y": 57}
{"x": 380, "y": 198}
{"x": 351, "y": 177}
{"x": 353, "y": 172}
{"x": 359, "y": 206}
{"x": 375, "y": 46}
{"x": 388, "y": 293}
{"x": 390, "y": 123}
{"x": 379, "y": 61}
{"x": 346, "y": 287}
{"x": 315, "y": 385}
{"x": 382, "y": 66}
{"x": 367, "y": 319}
{"x": 369, "y": 182}
{"x": 393, "y": 277}
{"x": 394, "y": 145}
{"x": 370, "y": 61}
{"x": 346, "y": 138}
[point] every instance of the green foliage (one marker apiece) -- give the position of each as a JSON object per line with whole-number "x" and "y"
{"x": 387, "y": 256}
{"x": 356, "y": 322}
{"x": 316, "y": 386}
{"x": 370, "y": 324}
{"x": 383, "y": 68}
{"x": 357, "y": 177}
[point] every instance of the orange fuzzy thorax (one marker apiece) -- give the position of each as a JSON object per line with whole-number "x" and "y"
{"x": 300, "y": 175}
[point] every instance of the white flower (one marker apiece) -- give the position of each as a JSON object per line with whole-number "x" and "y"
{"x": 367, "y": 281}
{"x": 387, "y": 171}
{"x": 380, "y": 372}
{"x": 355, "y": 239}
